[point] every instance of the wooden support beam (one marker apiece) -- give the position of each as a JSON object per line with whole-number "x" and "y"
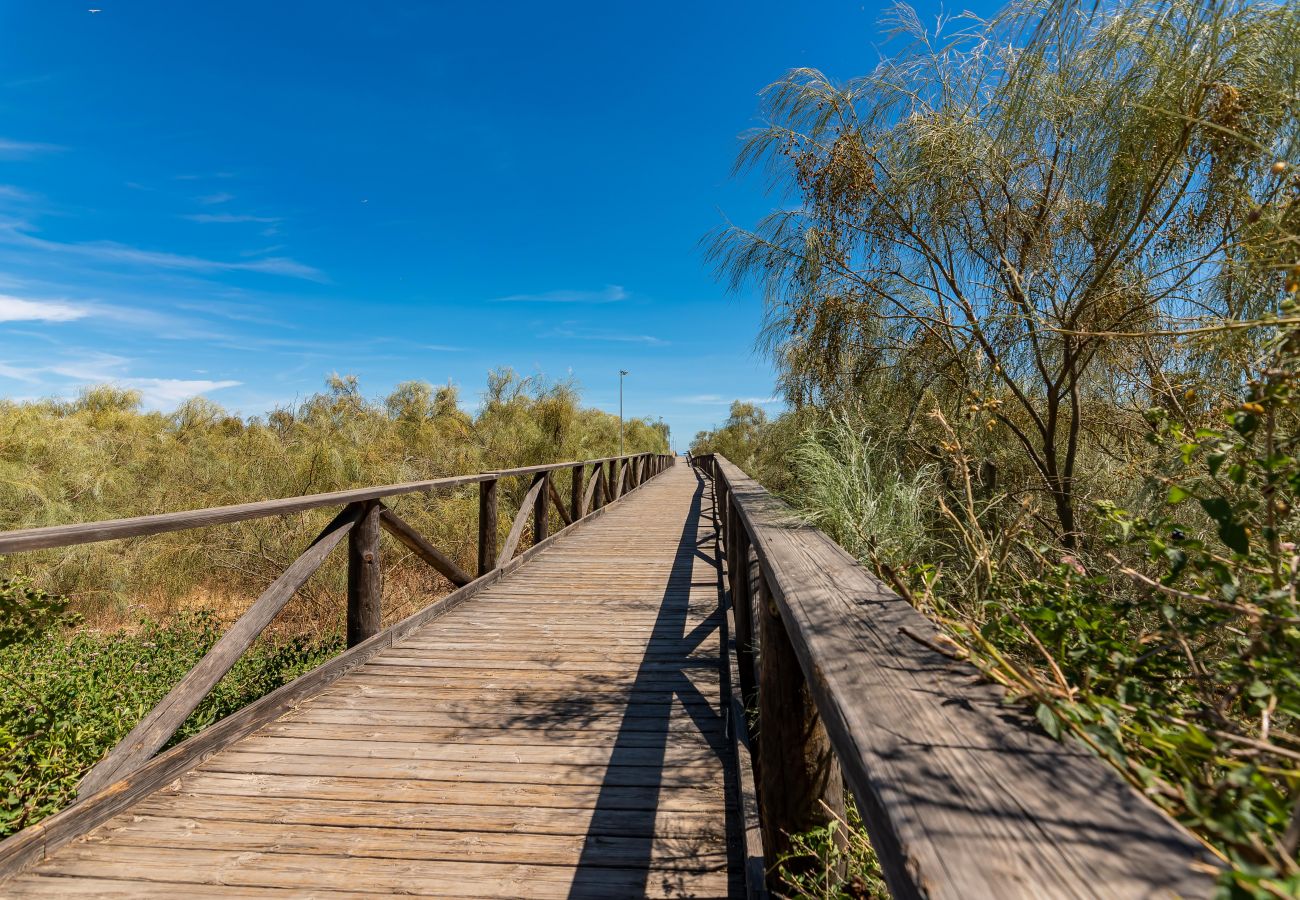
{"x": 161, "y": 723}
{"x": 416, "y": 543}
{"x": 799, "y": 777}
{"x": 595, "y": 496}
{"x": 558, "y": 501}
{"x": 542, "y": 509}
{"x": 741, "y": 567}
{"x": 487, "y": 526}
{"x": 521, "y": 520}
{"x": 576, "y": 507}
{"x": 365, "y": 576}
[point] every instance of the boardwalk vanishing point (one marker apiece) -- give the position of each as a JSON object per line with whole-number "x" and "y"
{"x": 575, "y": 721}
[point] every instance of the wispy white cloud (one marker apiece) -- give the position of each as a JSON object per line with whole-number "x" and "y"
{"x": 214, "y": 199}
{"x": 164, "y": 393}
{"x": 113, "y": 252}
{"x": 719, "y": 400}
{"x": 612, "y": 293}
{"x": 11, "y": 149}
{"x": 578, "y": 334}
{"x": 18, "y": 373}
{"x": 9, "y": 192}
{"x": 18, "y": 309}
{"x": 229, "y": 218}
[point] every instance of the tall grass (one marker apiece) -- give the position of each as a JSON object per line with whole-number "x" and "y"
{"x": 851, "y": 486}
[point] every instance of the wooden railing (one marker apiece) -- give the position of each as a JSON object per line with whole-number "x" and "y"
{"x": 361, "y": 519}
{"x": 962, "y": 795}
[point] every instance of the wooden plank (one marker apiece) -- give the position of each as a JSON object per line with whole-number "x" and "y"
{"x": 156, "y": 728}
{"x": 593, "y": 719}
{"x": 253, "y": 762}
{"x": 576, "y": 507}
{"x": 960, "y": 797}
{"x": 415, "y": 542}
{"x": 539, "y": 712}
{"x": 100, "y": 888}
{"x": 594, "y": 491}
{"x": 503, "y": 733}
{"x": 485, "y": 817}
{"x": 391, "y": 876}
{"x": 684, "y": 852}
{"x": 701, "y": 797}
{"x": 542, "y": 508}
{"x": 554, "y": 753}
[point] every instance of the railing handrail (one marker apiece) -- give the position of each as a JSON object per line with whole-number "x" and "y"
{"x": 49, "y": 536}
{"x": 961, "y": 795}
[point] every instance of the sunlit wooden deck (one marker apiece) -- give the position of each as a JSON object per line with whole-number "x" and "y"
{"x": 560, "y": 734}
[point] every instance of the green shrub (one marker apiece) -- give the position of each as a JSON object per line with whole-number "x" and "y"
{"x": 70, "y": 696}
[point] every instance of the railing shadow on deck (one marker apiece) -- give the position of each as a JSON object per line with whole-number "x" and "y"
{"x": 623, "y": 832}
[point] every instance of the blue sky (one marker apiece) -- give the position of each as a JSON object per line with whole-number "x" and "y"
{"x": 240, "y": 198}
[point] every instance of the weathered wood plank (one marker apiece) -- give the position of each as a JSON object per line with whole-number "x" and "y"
{"x": 398, "y": 876}
{"x": 486, "y": 817}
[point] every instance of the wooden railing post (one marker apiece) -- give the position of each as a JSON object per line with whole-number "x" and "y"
{"x": 365, "y": 578}
{"x": 576, "y": 491}
{"x": 797, "y": 769}
{"x": 738, "y": 566}
{"x": 487, "y": 526}
{"x": 598, "y": 498}
{"x": 542, "y": 509}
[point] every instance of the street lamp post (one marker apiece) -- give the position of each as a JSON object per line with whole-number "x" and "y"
{"x": 621, "y": 373}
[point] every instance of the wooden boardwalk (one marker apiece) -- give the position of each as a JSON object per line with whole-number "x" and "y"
{"x": 560, "y": 734}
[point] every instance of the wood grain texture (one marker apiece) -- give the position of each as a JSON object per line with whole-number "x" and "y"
{"x": 963, "y": 796}
{"x": 474, "y": 753}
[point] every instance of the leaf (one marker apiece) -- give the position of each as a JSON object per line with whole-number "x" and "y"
{"x": 1047, "y": 718}
{"x": 1236, "y": 537}
{"x": 1259, "y": 689}
{"x": 1177, "y": 494}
